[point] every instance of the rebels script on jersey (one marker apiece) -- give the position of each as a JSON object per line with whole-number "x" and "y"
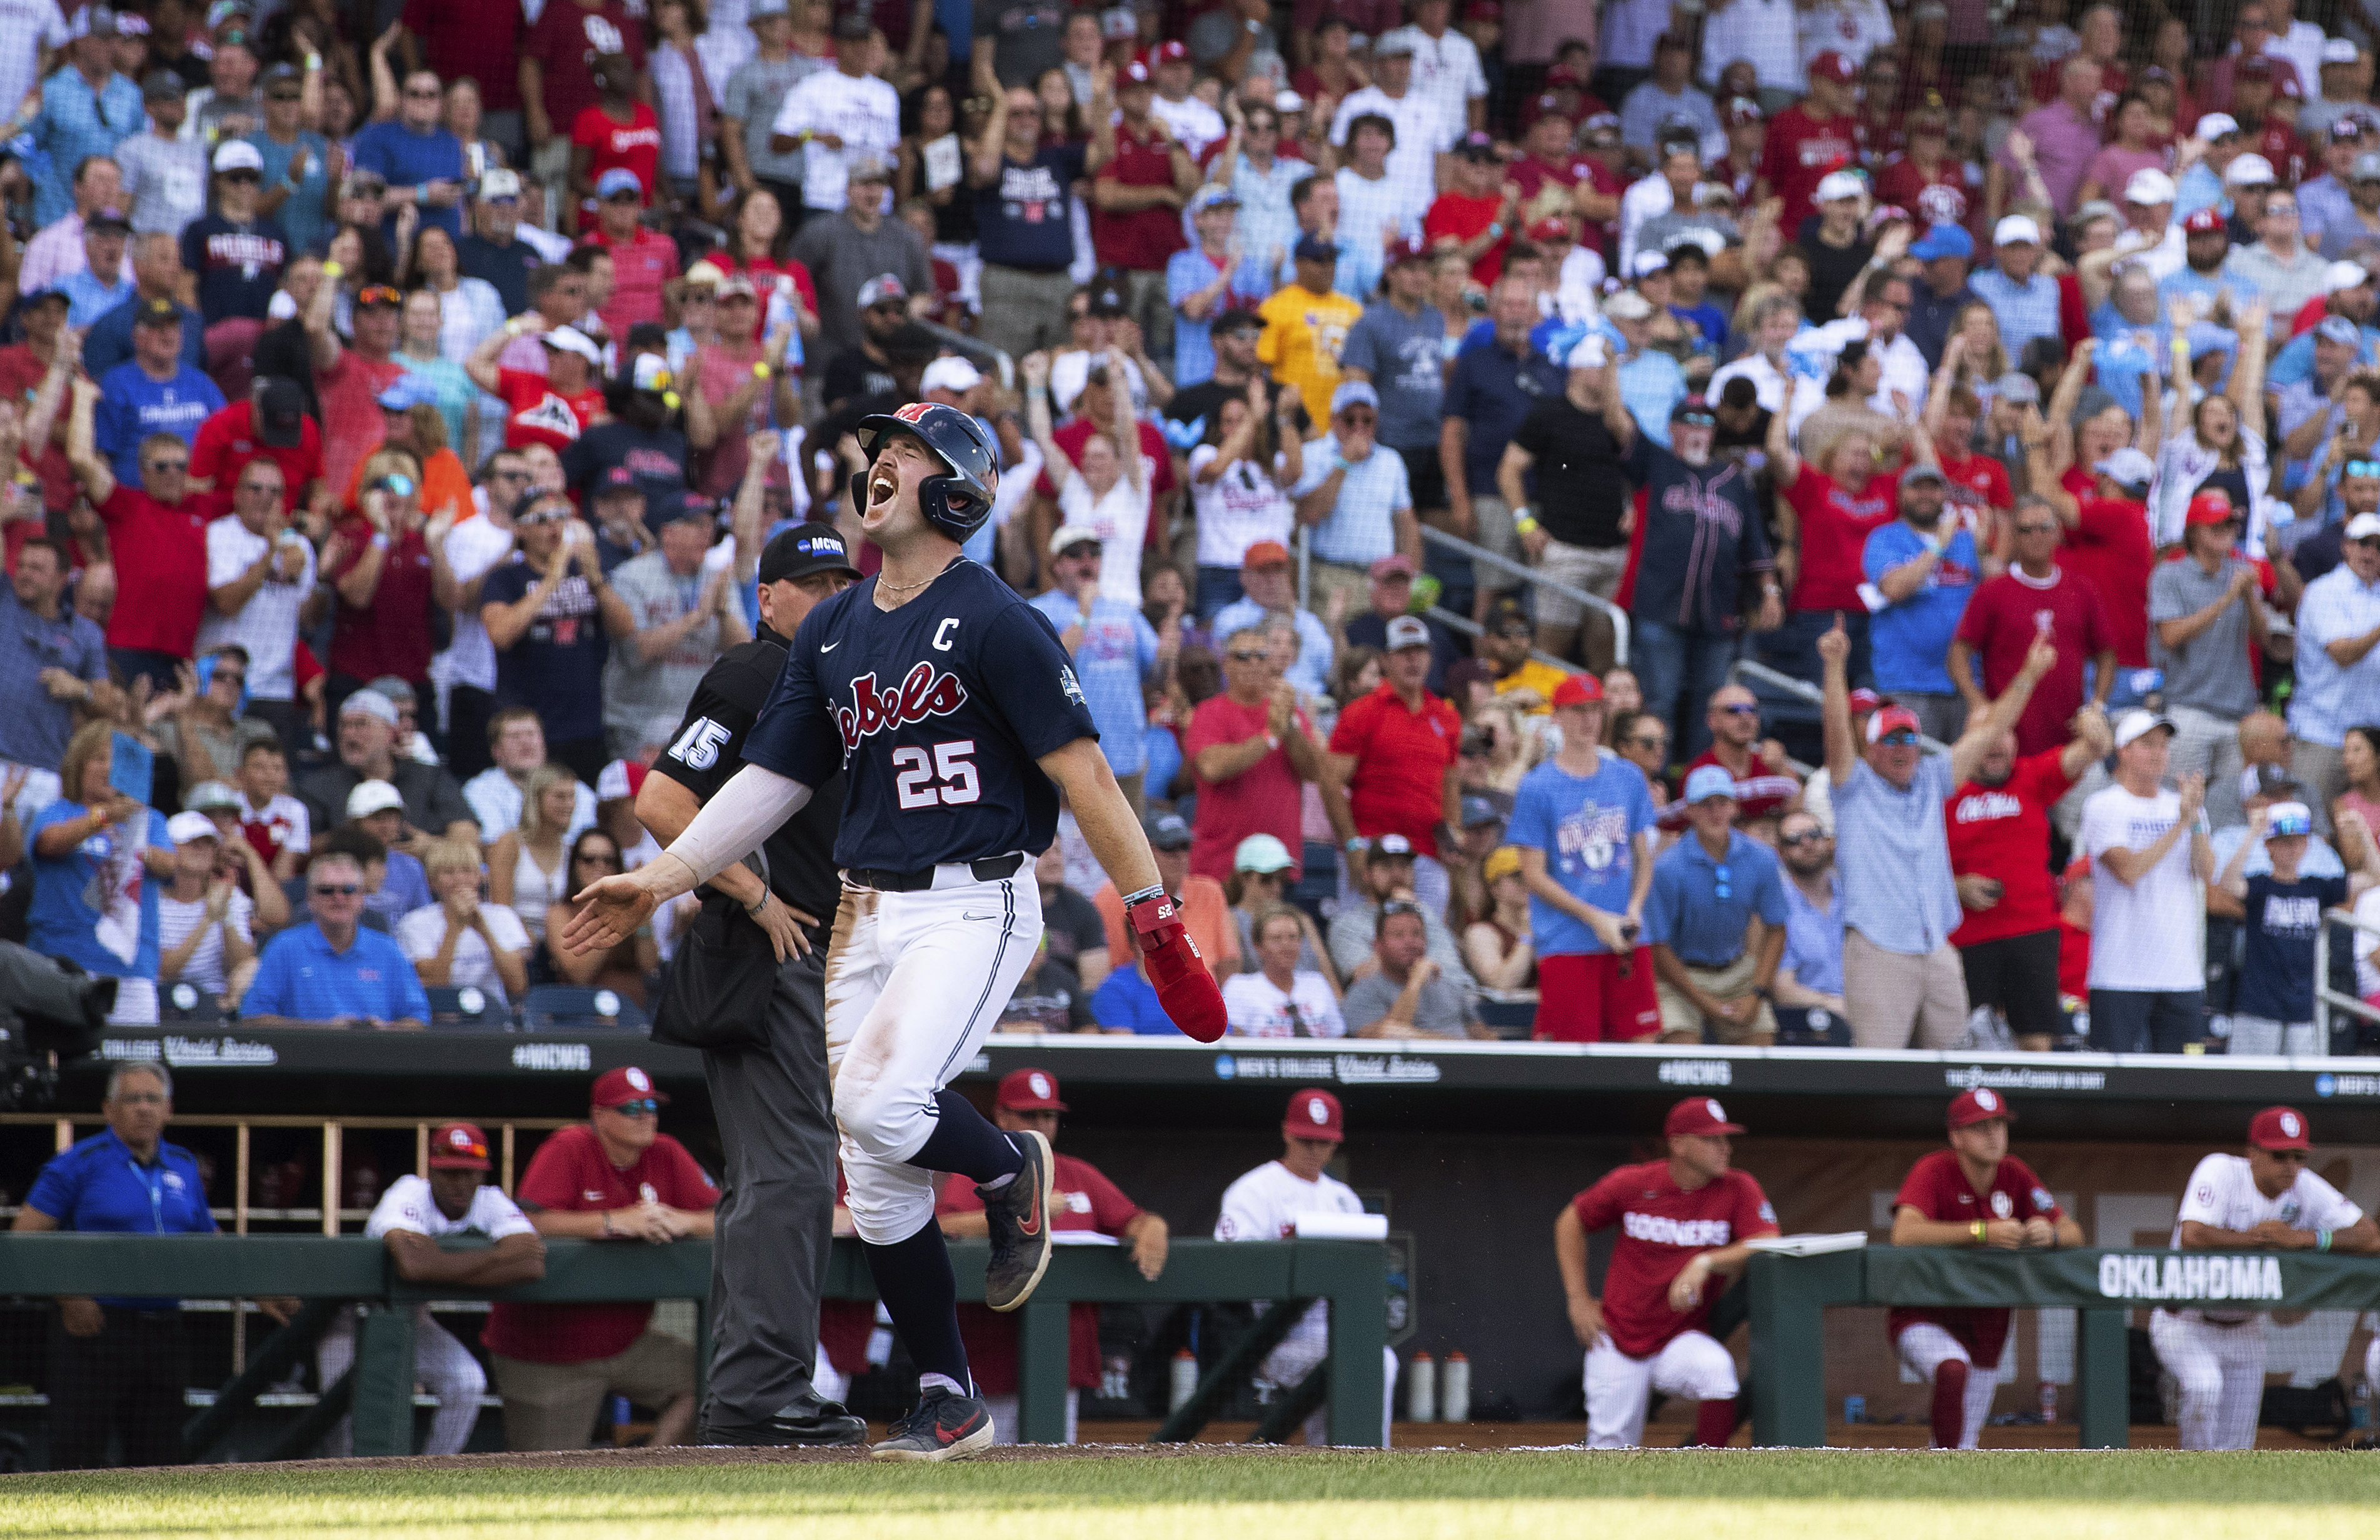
{"x": 938, "y": 710}
{"x": 1661, "y": 1227}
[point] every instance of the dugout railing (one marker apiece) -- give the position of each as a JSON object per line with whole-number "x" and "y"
{"x": 1790, "y": 1296}
{"x": 377, "y": 1390}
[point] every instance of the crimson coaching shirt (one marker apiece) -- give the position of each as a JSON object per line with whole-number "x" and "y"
{"x": 1937, "y": 1188}
{"x": 2003, "y": 832}
{"x": 570, "y": 1173}
{"x": 1661, "y": 1227}
{"x": 1083, "y": 1200}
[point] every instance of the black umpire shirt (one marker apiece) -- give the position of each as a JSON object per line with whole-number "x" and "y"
{"x": 709, "y": 750}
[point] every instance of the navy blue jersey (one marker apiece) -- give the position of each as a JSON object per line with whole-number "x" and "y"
{"x": 939, "y": 710}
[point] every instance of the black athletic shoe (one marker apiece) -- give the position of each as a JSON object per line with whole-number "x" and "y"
{"x": 943, "y": 1426}
{"x": 1018, "y": 1214}
{"x": 830, "y": 1427}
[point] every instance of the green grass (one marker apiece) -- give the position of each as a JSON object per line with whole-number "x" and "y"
{"x": 1443, "y": 1496}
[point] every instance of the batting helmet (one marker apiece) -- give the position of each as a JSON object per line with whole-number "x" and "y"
{"x": 958, "y": 504}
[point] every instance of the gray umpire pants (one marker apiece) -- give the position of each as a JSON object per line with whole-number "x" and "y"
{"x": 776, "y": 1215}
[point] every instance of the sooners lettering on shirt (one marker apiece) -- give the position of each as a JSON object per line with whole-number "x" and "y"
{"x": 1661, "y": 1227}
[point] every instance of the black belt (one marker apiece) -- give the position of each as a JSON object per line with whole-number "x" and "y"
{"x": 994, "y": 869}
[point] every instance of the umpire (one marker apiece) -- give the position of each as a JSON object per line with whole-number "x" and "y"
{"x": 772, "y": 1102}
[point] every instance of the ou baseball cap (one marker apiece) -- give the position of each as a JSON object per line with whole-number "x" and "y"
{"x": 2249, "y": 171}
{"x": 211, "y": 794}
{"x": 1707, "y": 781}
{"x": 182, "y": 827}
{"x": 623, "y": 1085}
{"x": 1261, "y": 853}
{"x": 2149, "y": 187}
{"x": 804, "y": 549}
{"x": 1979, "y": 1105}
{"x": 1028, "y": 1091}
{"x": 459, "y": 1148}
{"x": 2209, "y": 222}
{"x": 373, "y": 796}
{"x": 1314, "y": 1115}
{"x": 2279, "y": 1128}
{"x": 1406, "y": 631}
{"x": 2209, "y": 508}
{"x": 2137, "y": 725}
{"x": 237, "y": 155}
{"x": 1831, "y": 66}
{"x": 500, "y": 186}
{"x": 1702, "y": 1115}
{"x": 1577, "y": 689}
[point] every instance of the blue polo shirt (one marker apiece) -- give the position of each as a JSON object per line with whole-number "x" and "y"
{"x": 1125, "y": 999}
{"x": 98, "y": 1187}
{"x": 299, "y": 976}
{"x": 1909, "y": 641}
{"x": 1702, "y": 925}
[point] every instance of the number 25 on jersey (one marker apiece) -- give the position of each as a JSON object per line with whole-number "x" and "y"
{"x": 947, "y": 778}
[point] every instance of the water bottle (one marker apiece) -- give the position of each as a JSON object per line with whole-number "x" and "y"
{"x": 1421, "y": 1389}
{"x": 781, "y": 310}
{"x": 1854, "y": 1409}
{"x": 1185, "y": 1380}
{"x": 1454, "y": 1389}
{"x": 2048, "y": 1405}
{"x": 2359, "y": 1409}
{"x": 621, "y": 1414}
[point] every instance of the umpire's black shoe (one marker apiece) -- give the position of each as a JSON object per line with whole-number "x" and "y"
{"x": 829, "y": 1427}
{"x": 1018, "y": 1215}
{"x": 943, "y": 1426}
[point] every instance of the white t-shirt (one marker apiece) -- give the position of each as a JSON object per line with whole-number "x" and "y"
{"x": 496, "y": 804}
{"x": 1122, "y": 519}
{"x": 1237, "y": 509}
{"x": 474, "y": 547}
{"x": 292, "y": 826}
{"x": 2141, "y": 935}
{"x": 267, "y": 624}
{"x": 2222, "y": 1192}
{"x": 410, "y": 1205}
{"x": 2367, "y": 945}
{"x": 422, "y": 933}
{"x": 864, "y": 113}
{"x": 1256, "y": 1007}
{"x": 1192, "y": 124}
{"x": 176, "y": 920}
{"x": 1264, "y": 1205}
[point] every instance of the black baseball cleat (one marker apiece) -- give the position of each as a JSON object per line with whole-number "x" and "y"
{"x": 827, "y": 1426}
{"x": 943, "y": 1426}
{"x": 1018, "y": 1215}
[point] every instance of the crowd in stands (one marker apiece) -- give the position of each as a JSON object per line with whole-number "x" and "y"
{"x": 1409, "y": 422}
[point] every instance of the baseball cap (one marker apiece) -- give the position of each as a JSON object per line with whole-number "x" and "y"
{"x": 1390, "y": 847}
{"x": 1863, "y": 700}
{"x": 160, "y": 311}
{"x": 280, "y": 415}
{"x": 1398, "y": 44}
{"x": 1406, "y": 631}
{"x": 2017, "y": 390}
{"x": 1395, "y": 565}
{"x": 394, "y": 687}
{"x": 1314, "y": 248}
{"x": 2279, "y": 1128}
{"x": 1503, "y": 861}
{"x": 2283, "y": 818}
{"x": 1479, "y": 810}
{"x": 1627, "y": 305}
{"x": 2249, "y": 171}
{"x": 676, "y": 506}
{"x": 2362, "y": 526}
{"x": 182, "y": 827}
{"x": 617, "y": 180}
{"x": 2127, "y": 467}
{"x": 625, "y": 1084}
{"x": 374, "y": 797}
{"x": 2016, "y": 230}
{"x": 1067, "y": 536}
{"x": 1892, "y": 718}
{"x": 1601, "y": 125}
{"x": 459, "y": 1148}
{"x": 1314, "y": 1115}
{"x": 570, "y": 339}
{"x": 2149, "y": 186}
{"x": 877, "y": 290}
{"x": 1738, "y": 111}
{"x": 1353, "y": 392}
{"x": 1577, "y": 689}
{"x": 1699, "y": 1114}
{"x": 804, "y": 549}
{"x": 1923, "y": 472}
{"x": 163, "y": 85}
{"x": 2344, "y": 274}
{"x": 406, "y": 391}
{"x": 211, "y": 794}
{"x": 2215, "y": 126}
{"x": 1265, "y": 554}
{"x": 1288, "y": 101}
{"x": 1134, "y": 73}
{"x": 619, "y": 479}
{"x": 1707, "y": 781}
{"x": 1836, "y": 185}
{"x": 1553, "y": 227}
{"x": 373, "y": 704}
{"x": 1694, "y": 409}
{"x": 1979, "y": 1105}
{"x": 2272, "y": 782}
{"x": 2139, "y": 724}
{"x": 1477, "y": 145}
{"x": 1943, "y": 241}
{"x": 619, "y": 781}
{"x": 2209, "y": 508}
{"x": 650, "y": 373}
{"x": 2340, "y": 329}
{"x": 1211, "y": 196}
{"x": 500, "y": 184}
{"x": 1166, "y": 831}
{"x": 1397, "y": 251}
{"x": 1261, "y": 853}
{"x": 1831, "y": 66}
{"x": 2209, "y": 221}
{"x": 1647, "y": 262}
{"x": 1238, "y": 319}
{"x": 1028, "y": 1091}
{"x": 237, "y": 154}
{"x": 950, "y": 374}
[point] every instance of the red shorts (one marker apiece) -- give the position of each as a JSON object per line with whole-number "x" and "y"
{"x": 1596, "y": 997}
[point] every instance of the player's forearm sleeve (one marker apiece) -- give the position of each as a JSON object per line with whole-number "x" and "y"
{"x": 732, "y": 824}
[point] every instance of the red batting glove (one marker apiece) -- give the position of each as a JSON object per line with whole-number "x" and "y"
{"x": 1183, "y": 985}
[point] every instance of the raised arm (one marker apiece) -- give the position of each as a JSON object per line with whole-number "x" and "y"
{"x": 1981, "y": 733}
{"x": 1786, "y": 464}
{"x": 91, "y": 468}
{"x": 1842, "y": 749}
{"x": 1036, "y": 419}
{"x": 2247, "y": 387}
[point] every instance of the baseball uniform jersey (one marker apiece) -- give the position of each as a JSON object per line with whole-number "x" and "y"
{"x": 2222, "y": 1192}
{"x": 1662, "y": 1226}
{"x": 1264, "y": 1206}
{"x": 1937, "y": 1189}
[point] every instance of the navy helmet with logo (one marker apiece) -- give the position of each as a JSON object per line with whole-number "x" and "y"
{"x": 958, "y": 504}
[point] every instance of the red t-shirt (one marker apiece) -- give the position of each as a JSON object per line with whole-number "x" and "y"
{"x": 2109, "y": 548}
{"x": 1532, "y": 174}
{"x": 227, "y": 441}
{"x": 1402, "y": 758}
{"x": 2004, "y": 617}
{"x": 1142, "y": 240}
{"x": 353, "y": 425}
{"x": 1937, "y": 1188}
{"x": 2003, "y": 832}
{"x": 635, "y": 145}
{"x": 1457, "y": 218}
{"x": 570, "y": 1173}
{"x": 2073, "y": 961}
{"x": 1084, "y": 1200}
{"x": 2278, "y": 143}
{"x": 566, "y": 41}
{"x": 391, "y": 634}
{"x": 1799, "y": 152}
{"x": 1978, "y": 485}
{"x": 1265, "y": 798}
{"x": 1835, "y": 525}
{"x": 640, "y": 268}
{"x": 541, "y": 414}
{"x": 464, "y": 37}
{"x": 161, "y": 567}
{"x": 763, "y": 272}
{"x": 1949, "y": 194}
{"x": 1661, "y": 1227}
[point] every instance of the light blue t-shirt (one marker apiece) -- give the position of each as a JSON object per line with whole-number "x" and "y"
{"x": 300, "y": 978}
{"x": 1588, "y": 828}
{"x": 1910, "y": 642}
{"x": 72, "y": 916}
{"x": 1117, "y": 654}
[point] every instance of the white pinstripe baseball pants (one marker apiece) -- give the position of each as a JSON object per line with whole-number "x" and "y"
{"x": 2220, "y": 1370}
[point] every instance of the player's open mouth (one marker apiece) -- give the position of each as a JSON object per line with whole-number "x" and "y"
{"x": 883, "y": 487}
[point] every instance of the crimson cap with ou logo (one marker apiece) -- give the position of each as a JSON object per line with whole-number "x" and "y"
{"x": 1980, "y": 1105}
{"x": 623, "y": 1085}
{"x": 1314, "y": 1115}
{"x": 2279, "y": 1128}
{"x": 1698, "y": 1115}
{"x": 1030, "y": 1091}
{"x": 458, "y": 1147}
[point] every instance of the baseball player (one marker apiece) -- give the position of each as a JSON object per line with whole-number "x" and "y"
{"x": 2264, "y": 1200}
{"x": 1085, "y": 1203}
{"x": 1682, "y": 1222}
{"x": 951, "y": 707}
{"x": 1974, "y": 1194}
{"x": 1264, "y": 1205}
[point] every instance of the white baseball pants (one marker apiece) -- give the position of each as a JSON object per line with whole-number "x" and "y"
{"x": 1004, "y": 1415}
{"x": 915, "y": 982}
{"x": 446, "y": 1370}
{"x": 1925, "y": 1347}
{"x": 2220, "y": 1370}
{"x": 1692, "y": 1365}
{"x": 1288, "y": 1364}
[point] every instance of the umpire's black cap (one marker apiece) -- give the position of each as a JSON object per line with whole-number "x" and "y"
{"x": 803, "y": 550}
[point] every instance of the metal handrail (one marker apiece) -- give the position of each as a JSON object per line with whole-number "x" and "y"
{"x": 2326, "y": 999}
{"x": 1470, "y": 627}
{"x": 1613, "y": 612}
{"x": 1001, "y": 363}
